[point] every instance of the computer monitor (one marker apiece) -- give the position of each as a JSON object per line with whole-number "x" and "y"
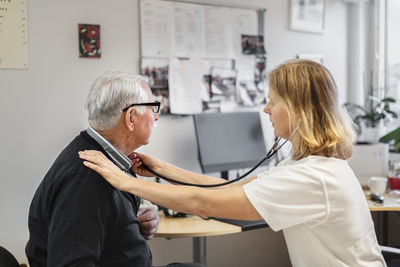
{"x": 228, "y": 141}
{"x": 369, "y": 160}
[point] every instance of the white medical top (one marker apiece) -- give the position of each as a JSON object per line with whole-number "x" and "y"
{"x": 321, "y": 208}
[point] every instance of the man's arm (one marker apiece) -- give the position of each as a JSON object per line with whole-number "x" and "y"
{"x": 78, "y": 222}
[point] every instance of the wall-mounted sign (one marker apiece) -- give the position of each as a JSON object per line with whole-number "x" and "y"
{"x": 13, "y": 34}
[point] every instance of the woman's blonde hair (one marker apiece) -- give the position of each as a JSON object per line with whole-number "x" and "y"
{"x": 309, "y": 92}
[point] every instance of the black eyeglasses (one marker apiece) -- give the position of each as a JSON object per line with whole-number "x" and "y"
{"x": 155, "y": 106}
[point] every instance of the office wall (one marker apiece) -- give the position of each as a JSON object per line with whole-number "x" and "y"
{"x": 41, "y": 108}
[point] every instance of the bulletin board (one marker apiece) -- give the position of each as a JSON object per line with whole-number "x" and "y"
{"x": 13, "y": 34}
{"x": 203, "y": 57}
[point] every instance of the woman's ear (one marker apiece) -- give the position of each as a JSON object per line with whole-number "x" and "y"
{"x": 130, "y": 119}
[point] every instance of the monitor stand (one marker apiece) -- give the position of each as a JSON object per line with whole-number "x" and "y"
{"x": 225, "y": 175}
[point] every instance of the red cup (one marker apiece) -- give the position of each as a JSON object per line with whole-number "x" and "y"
{"x": 394, "y": 183}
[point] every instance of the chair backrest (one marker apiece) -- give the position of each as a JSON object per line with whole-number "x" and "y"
{"x": 7, "y": 259}
{"x": 391, "y": 255}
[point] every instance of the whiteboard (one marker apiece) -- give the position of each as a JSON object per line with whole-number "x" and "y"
{"x": 194, "y": 38}
{"x": 181, "y": 29}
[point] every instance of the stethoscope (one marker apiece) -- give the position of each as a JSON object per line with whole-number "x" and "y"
{"x": 275, "y": 148}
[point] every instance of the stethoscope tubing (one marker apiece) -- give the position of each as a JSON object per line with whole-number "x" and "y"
{"x": 275, "y": 148}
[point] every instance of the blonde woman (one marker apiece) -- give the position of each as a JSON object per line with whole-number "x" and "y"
{"x": 313, "y": 196}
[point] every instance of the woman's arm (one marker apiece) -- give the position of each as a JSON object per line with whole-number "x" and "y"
{"x": 228, "y": 202}
{"x": 169, "y": 170}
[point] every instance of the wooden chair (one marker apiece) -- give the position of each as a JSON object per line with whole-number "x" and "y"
{"x": 391, "y": 255}
{"x": 8, "y": 260}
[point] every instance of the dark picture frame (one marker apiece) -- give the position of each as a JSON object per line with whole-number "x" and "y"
{"x": 89, "y": 40}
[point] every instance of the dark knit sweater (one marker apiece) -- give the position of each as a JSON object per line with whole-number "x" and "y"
{"x": 77, "y": 219}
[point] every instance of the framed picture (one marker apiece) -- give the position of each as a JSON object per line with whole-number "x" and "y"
{"x": 307, "y": 15}
{"x": 89, "y": 40}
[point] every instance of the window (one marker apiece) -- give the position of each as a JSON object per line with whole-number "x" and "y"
{"x": 393, "y": 50}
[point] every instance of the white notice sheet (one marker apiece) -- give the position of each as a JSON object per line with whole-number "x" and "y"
{"x": 218, "y": 37}
{"x": 185, "y": 85}
{"x": 155, "y": 28}
{"x": 187, "y": 31}
{"x": 244, "y": 22}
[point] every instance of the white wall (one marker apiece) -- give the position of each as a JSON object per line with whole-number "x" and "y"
{"x": 41, "y": 109}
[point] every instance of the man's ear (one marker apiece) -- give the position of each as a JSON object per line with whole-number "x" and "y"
{"x": 129, "y": 118}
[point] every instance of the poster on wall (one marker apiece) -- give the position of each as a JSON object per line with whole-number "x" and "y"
{"x": 13, "y": 34}
{"x": 89, "y": 40}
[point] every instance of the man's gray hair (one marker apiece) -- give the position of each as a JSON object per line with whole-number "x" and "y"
{"x": 109, "y": 94}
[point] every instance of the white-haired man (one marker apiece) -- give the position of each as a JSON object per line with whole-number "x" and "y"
{"x": 78, "y": 219}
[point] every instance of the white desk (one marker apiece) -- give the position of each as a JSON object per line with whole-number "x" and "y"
{"x": 390, "y": 204}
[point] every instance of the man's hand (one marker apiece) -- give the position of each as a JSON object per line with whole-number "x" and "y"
{"x": 149, "y": 220}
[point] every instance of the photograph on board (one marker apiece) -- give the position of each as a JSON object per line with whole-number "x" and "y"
{"x": 253, "y": 45}
{"x": 223, "y": 84}
{"x": 156, "y": 70}
{"x": 251, "y": 93}
{"x": 162, "y": 95}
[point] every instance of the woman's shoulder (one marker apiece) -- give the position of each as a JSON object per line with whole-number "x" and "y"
{"x": 314, "y": 160}
{"x": 316, "y": 167}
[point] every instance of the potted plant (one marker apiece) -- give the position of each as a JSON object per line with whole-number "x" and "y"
{"x": 392, "y": 136}
{"x": 370, "y": 119}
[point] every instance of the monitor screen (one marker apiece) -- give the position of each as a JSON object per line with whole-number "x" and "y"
{"x": 228, "y": 141}
{"x": 369, "y": 160}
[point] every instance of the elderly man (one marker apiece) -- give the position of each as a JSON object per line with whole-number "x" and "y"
{"x": 76, "y": 218}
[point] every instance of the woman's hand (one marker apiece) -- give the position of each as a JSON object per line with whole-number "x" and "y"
{"x": 139, "y": 160}
{"x": 103, "y": 166}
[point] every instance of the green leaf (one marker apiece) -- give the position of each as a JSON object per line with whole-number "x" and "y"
{"x": 393, "y": 135}
{"x": 397, "y": 145}
{"x": 389, "y": 99}
{"x": 394, "y": 114}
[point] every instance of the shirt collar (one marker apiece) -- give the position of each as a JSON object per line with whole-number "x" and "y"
{"x": 119, "y": 158}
